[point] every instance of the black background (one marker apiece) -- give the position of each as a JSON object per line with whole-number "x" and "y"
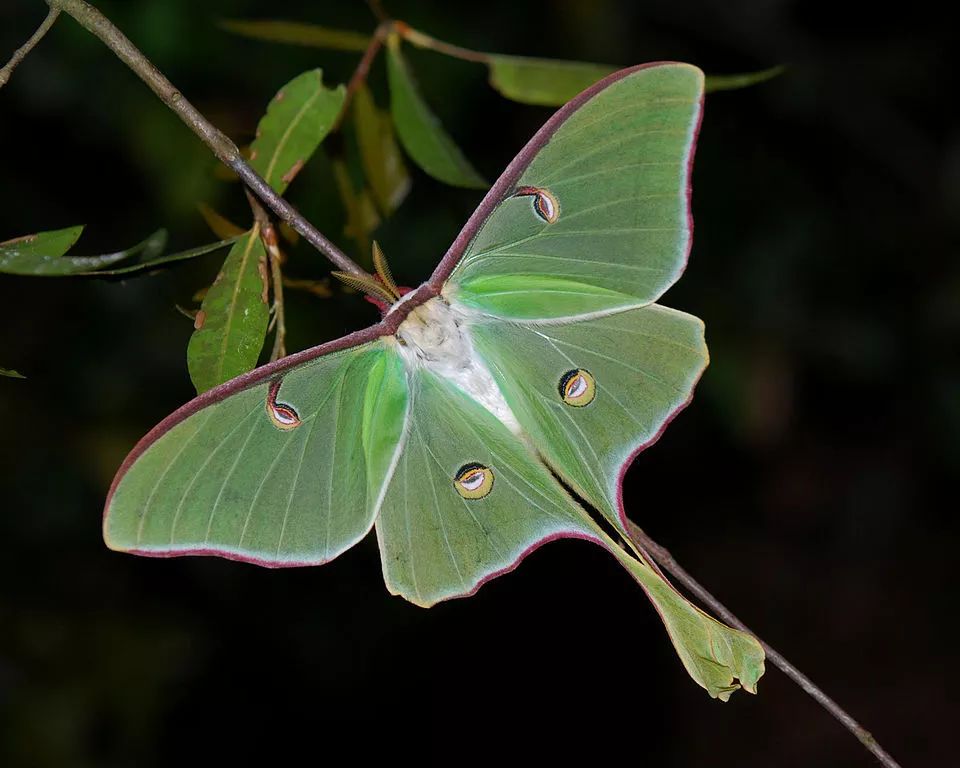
{"x": 811, "y": 485}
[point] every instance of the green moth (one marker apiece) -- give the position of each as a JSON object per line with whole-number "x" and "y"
{"x": 533, "y": 358}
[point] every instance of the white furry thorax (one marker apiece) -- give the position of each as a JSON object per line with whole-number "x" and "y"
{"x": 436, "y": 336}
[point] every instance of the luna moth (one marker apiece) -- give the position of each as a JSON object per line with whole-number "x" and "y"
{"x": 491, "y": 406}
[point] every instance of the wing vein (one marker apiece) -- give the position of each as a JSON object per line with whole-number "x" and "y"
{"x": 176, "y": 457}
{"x": 436, "y": 503}
{"x": 196, "y": 475}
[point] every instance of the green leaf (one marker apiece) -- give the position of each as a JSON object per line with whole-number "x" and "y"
{"x": 362, "y": 217}
{"x": 42, "y": 254}
{"x": 232, "y": 321}
{"x": 553, "y": 82}
{"x": 382, "y": 161}
{"x": 220, "y": 225}
{"x": 744, "y": 80}
{"x": 144, "y": 266}
{"x": 298, "y": 33}
{"x": 11, "y": 374}
{"x": 545, "y": 82}
{"x": 420, "y": 132}
{"x": 298, "y": 118}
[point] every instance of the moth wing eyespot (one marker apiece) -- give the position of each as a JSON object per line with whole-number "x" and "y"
{"x": 577, "y": 387}
{"x": 282, "y": 415}
{"x": 544, "y": 203}
{"x": 473, "y": 481}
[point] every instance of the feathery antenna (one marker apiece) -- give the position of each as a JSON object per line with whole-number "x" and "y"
{"x": 383, "y": 270}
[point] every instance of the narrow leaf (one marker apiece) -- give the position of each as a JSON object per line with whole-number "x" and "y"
{"x": 420, "y": 132}
{"x": 362, "y": 216}
{"x": 298, "y": 33}
{"x": 144, "y": 266}
{"x": 11, "y": 374}
{"x": 733, "y": 82}
{"x": 319, "y": 288}
{"x": 220, "y": 225}
{"x": 234, "y": 315}
{"x": 382, "y": 161}
{"x": 43, "y": 253}
{"x": 545, "y": 82}
{"x": 553, "y": 82}
{"x": 297, "y": 120}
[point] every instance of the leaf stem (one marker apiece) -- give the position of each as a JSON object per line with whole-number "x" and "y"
{"x": 21, "y": 53}
{"x": 228, "y": 153}
{"x": 268, "y": 236}
{"x": 377, "y": 9}
{"x": 276, "y": 279}
{"x": 360, "y": 74}
{"x": 663, "y": 557}
{"x": 423, "y": 40}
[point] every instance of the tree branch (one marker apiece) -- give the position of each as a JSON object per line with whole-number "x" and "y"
{"x": 228, "y": 153}
{"x": 663, "y": 557}
{"x": 21, "y": 53}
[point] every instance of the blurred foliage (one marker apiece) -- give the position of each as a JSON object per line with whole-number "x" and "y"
{"x": 420, "y": 132}
{"x": 382, "y": 162}
{"x": 825, "y": 434}
{"x": 42, "y": 255}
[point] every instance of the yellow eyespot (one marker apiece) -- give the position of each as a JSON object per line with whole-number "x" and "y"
{"x": 473, "y": 481}
{"x": 577, "y": 388}
{"x": 282, "y": 415}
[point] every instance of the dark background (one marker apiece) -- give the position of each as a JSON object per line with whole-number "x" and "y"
{"x": 811, "y": 485}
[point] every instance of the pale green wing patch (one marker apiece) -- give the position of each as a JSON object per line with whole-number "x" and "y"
{"x": 533, "y": 297}
{"x": 436, "y": 544}
{"x": 278, "y": 476}
{"x": 644, "y": 362}
{"x": 603, "y": 203}
{"x": 719, "y": 658}
{"x": 589, "y": 394}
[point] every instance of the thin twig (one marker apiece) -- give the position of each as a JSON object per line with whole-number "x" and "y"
{"x": 665, "y": 559}
{"x": 21, "y": 53}
{"x": 360, "y": 74}
{"x": 268, "y": 236}
{"x": 96, "y": 23}
{"x": 319, "y": 288}
{"x": 376, "y": 8}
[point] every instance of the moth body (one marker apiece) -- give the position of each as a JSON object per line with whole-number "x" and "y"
{"x": 436, "y": 336}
